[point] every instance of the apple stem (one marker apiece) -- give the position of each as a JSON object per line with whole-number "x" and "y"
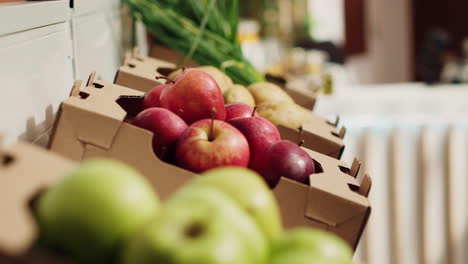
{"x": 210, "y": 136}
{"x": 165, "y": 78}
{"x": 254, "y": 110}
{"x": 213, "y": 115}
{"x": 183, "y": 69}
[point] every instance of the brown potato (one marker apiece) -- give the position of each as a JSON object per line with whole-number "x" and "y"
{"x": 284, "y": 113}
{"x": 238, "y": 94}
{"x": 265, "y": 92}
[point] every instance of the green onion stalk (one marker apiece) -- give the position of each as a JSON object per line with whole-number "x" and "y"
{"x": 203, "y": 30}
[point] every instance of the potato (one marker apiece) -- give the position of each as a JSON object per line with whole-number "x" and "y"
{"x": 238, "y": 94}
{"x": 265, "y": 92}
{"x": 284, "y": 113}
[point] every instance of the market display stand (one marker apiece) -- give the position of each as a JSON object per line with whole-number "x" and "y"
{"x": 45, "y": 46}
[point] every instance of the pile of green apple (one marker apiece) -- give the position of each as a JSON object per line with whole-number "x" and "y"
{"x": 193, "y": 128}
{"x": 105, "y": 212}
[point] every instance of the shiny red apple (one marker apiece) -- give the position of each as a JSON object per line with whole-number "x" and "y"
{"x": 166, "y": 126}
{"x": 237, "y": 110}
{"x": 210, "y": 143}
{"x": 285, "y": 159}
{"x": 152, "y": 97}
{"x": 194, "y": 95}
{"x": 259, "y": 132}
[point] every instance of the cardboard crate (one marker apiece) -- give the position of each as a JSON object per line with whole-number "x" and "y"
{"x": 26, "y": 170}
{"x": 302, "y": 95}
{"x": 335, "y": 200}
{"x": 139, "y": 72}
{"x": 94, "y": 122}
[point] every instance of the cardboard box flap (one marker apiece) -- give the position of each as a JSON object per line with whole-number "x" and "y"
{"x": 327, "y": 162}
{"x": 341, "y": 179}
{"x": 336, "y": 122}
{"x": 355, "y": 167}
{"x": 341, "y": 185}
{"x": 318, "y": 137}
{"x": 337, "y": 186}
{"x": 323, "y": 128}
{"x": 332, "y": 209}
{"x": 132, "y": 57}
{"x": 145, "y": 68}
{"x": 94, "y": 107}
{"x": 140, "y": 72}
{"x": 366, "y": 185}
{"x": 133, "y": 143}
{"x": 25, "y": 170}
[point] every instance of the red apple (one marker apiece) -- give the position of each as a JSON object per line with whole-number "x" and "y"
{"x": 152, "y": 97}
{"x": 237, "y": 110}
{"x": 210, "y": 143}
{"x": 287, "y": 159}
{"x": 166, "y": 126}
{"x": 194, "y": 95}
{"x": 260, "y": 134}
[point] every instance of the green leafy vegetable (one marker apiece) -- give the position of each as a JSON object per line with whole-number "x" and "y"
{"x": 203, "y": 30}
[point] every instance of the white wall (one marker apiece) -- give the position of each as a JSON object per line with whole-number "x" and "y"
{"x": 328, "y": 18}
{"x": 44, "y": 47}
{"x": 389, "y": 56}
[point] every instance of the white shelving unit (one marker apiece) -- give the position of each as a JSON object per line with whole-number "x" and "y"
{"x": 96, "y": 37}
{"x": 44, "y": 47}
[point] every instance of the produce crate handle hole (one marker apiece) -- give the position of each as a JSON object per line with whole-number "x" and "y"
{"x": 318, "y": 167}
{"x": 344, "y": 169}
{"x": 353, "y": 187}
{"x": 7, "y": 160}
{"x": 97, "y": 85}
{"x": 165, "y": 70}
{"x": 84, "y": 95}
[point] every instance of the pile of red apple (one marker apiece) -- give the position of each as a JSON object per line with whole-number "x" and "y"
{"x": 195, "y": 130}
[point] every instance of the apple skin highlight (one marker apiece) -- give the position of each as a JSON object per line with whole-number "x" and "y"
{"x": 197, "y": 152}
{"x": 193, "y": 96}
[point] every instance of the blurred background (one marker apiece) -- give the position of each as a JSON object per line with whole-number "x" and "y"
{"x": 395, "y": 71}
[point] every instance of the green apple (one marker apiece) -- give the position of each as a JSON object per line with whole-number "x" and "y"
{"x": 94, "y": 209}
{"x": 317, "y": 246}
{"x": 249, "y": 190}
{"x": 236, "y": 218}
{"x": 301, "y": 257}
{"x": 202, "y": 226}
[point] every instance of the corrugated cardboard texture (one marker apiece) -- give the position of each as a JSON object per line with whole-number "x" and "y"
{"x": 25, "y": 170}
{"x": 334, "y": 201}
